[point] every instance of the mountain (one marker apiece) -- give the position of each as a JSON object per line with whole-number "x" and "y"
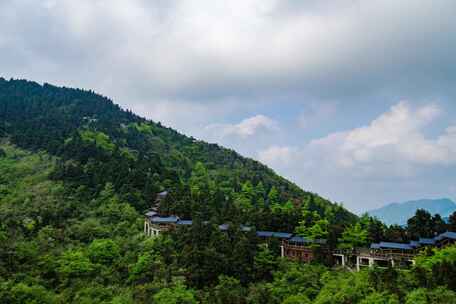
{"x": 97, "y": 143}
{"x": 398, "y": 213}
{"x": 77, "y": 173}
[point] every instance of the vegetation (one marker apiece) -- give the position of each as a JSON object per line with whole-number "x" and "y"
{"x": 77, "y": 173}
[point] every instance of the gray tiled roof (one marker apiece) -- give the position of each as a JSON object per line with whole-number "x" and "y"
{"x": 446, "y": 235}
{"x": 151, "y": 213}
{"x": 264, "y": 233}
{"x": 426, "y": 241}
{"x": 390, "y": 245}
{"x": 164, "y": 220}
{"x": 282, "y": 235}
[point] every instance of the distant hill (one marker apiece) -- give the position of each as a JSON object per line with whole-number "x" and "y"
{"x": 398, "y": 213}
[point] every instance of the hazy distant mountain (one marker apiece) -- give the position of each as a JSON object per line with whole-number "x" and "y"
{"x": 399, "y": 213}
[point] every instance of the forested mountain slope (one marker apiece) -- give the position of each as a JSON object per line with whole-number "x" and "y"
{"x": 76, "y": 173}
{"x": 97, "y": 142}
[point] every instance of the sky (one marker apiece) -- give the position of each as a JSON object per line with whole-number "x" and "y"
{"x": 354, "y": 100}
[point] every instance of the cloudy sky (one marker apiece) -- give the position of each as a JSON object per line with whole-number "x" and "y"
{"x": 355, "y": 100}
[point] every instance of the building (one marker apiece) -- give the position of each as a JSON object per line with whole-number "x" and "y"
{"x": 291, "y": 246}
{"x": 300, "y": 249}
{"x": 155, "y": 224}
{"x": 385, "y": 254}
{"x": 297, "y": 248}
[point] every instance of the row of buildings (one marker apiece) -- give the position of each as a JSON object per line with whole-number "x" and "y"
{"x": 298, "y": 248}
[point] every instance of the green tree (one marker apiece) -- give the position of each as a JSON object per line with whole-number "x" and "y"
{"x": 264, "y": 263}
{"x": 354, "y": 236}
{"x": 380, "y": 298}
{"x": 273, "y": 196}
{"x": 229, "y": 291}
{"x": 420, "y": 225}
{"x": 177, "y": 294}
{"x": 297, "y": 299}
{"x": 438, "y": 224}
{"x": 343, "y": 288}
{"x": 437, "y": 296}
{"x": 103, "y": 251}
{"x": 452, "y": 222}
{"x": 295, "y": 278}
{"x": 260, "y": 194}
{"x": 34, "y": 294}
{"x": 73, "y": 264}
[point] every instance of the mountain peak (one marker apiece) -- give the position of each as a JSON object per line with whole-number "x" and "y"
{"x": 398, "y": 213}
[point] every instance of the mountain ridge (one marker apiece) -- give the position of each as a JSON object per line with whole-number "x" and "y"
{"x": 398, "y": 213}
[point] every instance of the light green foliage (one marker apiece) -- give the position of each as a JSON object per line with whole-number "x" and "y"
{"x": 177, "y": 294}
{"x": 440, "y": 256}
{"x": 273, "y": 196}
{"x": 245, "y": 198}
{"x": 103, "y": 251}
{"x": 425, "y": 296}
{"x": 124, "y": 297}
{"x": 260, "y": 194}
{"x": 142, "y": 268}
{"x": 354, "y": 236}
{"x": 297, "y": 278}
{"x": 380, "y": 298}
{"x": 100, "y": 139}
{"x": 30, "y": 294}
{"x": 297, "y": 299}
{"x": 344, "y": 287}
{"x": 200, "y": 183}
{"x": 143, "y": 127}
{"x": 128, "y": 154}
{"x": 74, "y": 263}
{"x": 312, "y": 226}
{"x": 285, "y": 209}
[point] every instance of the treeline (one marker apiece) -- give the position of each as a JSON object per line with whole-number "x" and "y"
{"x": 369, "y": 230}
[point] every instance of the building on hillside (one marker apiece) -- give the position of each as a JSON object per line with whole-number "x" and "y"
{"x": 386, "y": 254}
{"x": 445, "y": 239}
{"x": 155, "y": 224}
{"x": 297, "y": 248}
{"x": 301, "y": 249}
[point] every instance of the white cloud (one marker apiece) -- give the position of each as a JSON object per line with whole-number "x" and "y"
{"x": 247, "y": 128}
{"x": 395, "y": 138}
{"x": 277, "y": 156}
{"x": 393, "y": 144}
{"x": 187, "y": 49}
{"x": 390, "y": 159}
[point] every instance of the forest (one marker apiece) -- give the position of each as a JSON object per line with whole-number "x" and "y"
{"x": 77, "y": 174}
